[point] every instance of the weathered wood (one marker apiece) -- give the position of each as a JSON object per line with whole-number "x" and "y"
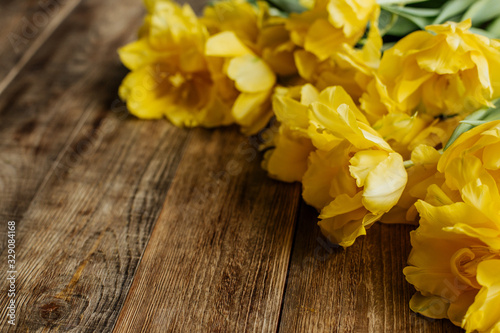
{"x": 218, "y": 256}
{"x": 56, "y": 93}
{"x": 74, "y": 272}
{"x": 360, "y": 289}
{"x": 82, "y": 237}
{"x": 96, "y": 218}
{"x": 26, "y": 25}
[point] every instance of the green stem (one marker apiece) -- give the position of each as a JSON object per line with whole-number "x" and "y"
{"x": 475, "y": 119}
{"x": 408, "y": 164}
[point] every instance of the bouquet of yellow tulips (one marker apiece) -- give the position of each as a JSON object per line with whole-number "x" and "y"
{"x": 384, "y": 111}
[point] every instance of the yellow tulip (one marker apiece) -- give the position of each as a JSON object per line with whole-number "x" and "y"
{"x": 237, "y": 16}
{"x": 445, "y": 70}
{"x": 324, "y": 29}
{"x": 210, "y": 71}
{"x": 348, "y": 67}
{"x": 455, "y": 260}
{"x": 355, "y": 192}
{"x": 254, "y": 47}
{"x": 348, "y": 171}
{"x": 262, "y": 33}
{"x": 482, "y": 141}
{"x": 275, "y": 46}
{"x": 287, "y": 160}
{"x": 448, "y": 262}
{"x": 422, "y": 173}
{"x": 170, "y": 76}
{"x": 481, "y": 314}
{"x": 290, "y": 145}
{"x": 404, "y": 132}
{"x": 347, "y": 216}
{"x": 354, "y": 176}
{"x": 327, "y": 176}
{"x": 418, "y": 139}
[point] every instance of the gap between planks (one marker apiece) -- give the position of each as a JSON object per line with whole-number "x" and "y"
{"x": 358, "y": 289}
{"x": 65, "y": 11}
{"x": 217, "y": 259}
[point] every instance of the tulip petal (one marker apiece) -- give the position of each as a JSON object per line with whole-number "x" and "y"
{"x": 483, "y": 314}
{"x": 363, "y": 162}
{"x": 385, "y": 184}
{"x": 226, "y": 44}
{"x": 251, "y": 74}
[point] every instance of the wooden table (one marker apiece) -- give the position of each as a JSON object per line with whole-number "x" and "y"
{"x": 137, "y": 226}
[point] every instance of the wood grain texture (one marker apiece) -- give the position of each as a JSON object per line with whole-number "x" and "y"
{"x": 81, "y": 239}
{"x": 56, "y": 93}
{"x": 360, "y": 289}
{"x": 218, "y": 256}
{"x": 26, "y": 25}
{"x": 83, "y": 227}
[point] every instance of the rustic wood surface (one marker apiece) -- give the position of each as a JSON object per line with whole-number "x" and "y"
{"x": 360, "y": 289}
{"x": 26, "y": 25}
{"x": 137, "y": 226}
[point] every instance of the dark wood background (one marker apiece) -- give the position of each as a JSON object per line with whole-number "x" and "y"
{"x": 137, "y": 226}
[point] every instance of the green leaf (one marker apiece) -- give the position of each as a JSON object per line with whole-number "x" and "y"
{"x": 398, "y": 2}
{"x": 494, "y": 112}
{"x": 482, "y": 32}
{"x": 413, "y": 11}
{"x": 284, "y": 6}
{"x": 482, "y": 11}
{"x": 473, "y": 122}
{"x": 494, "y": 28}
{"x": 464, "y": 127}
{"x": 387, "y": 46}
{"x": 456, "y": 18}
{"x": 402, "y": 27}
{"x": 474, "y": 119}
{"x": 452, "y": 8}
{"x": 419, "y": 16}
{"x": 385, "y": 21}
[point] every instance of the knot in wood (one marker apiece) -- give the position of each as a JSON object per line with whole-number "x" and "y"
{"x": 53, "y": 310}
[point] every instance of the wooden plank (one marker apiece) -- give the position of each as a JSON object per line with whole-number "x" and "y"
{"x": 360, "y": 289}
{"x": 26, "y": 25}
{"x": 83, "y": 234}
{"x": 81, "y": 239}
{"x": 45, "y": 106}
{"x": 218, "y": 256}
{"x": 96, "y": 218}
